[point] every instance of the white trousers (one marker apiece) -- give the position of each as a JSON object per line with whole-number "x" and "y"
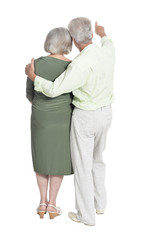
{"x": 88, "y": 138}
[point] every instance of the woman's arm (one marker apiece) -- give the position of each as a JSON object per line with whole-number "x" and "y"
{"x": 29, "y": 89}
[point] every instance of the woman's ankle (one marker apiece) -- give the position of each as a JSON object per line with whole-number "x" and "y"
{"x": 44, "y": 201}
{"x": 52, "y": 203}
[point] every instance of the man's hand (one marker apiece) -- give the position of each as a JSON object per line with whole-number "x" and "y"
{"x": 29, "y": 70}
{"x": 99, "y": 30}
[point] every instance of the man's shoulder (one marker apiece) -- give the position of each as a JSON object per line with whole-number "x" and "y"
{"x": 81, "y": 62}
{"x": 76, "y": 63}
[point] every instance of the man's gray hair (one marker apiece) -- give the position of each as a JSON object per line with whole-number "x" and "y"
{"x": 80, "y": 29}
{"x": 58, "y": 41}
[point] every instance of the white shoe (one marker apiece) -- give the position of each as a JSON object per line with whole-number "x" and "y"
{"x": 41, "y": 212}
{"x": 100, "y": 211}
{"x": 53, "y": 214}
{"x": 73, "y": 217}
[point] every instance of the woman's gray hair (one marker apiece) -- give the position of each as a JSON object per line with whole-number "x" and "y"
{"x": 58, "y": 41}
{"x": 80, "y": 29}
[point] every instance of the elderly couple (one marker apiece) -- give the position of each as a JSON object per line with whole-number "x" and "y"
{"x": 71, "y": 115}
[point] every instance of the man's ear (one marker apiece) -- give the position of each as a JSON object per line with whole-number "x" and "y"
{"x": 74, "y": 40}
{"x": 75, "y": 43}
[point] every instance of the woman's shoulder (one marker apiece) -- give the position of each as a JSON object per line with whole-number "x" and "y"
{"x": 41, "y": 65}
{"x": 40, "y": 59}
{"x": 41, "y": 62}
{"x": 47, "y": 58}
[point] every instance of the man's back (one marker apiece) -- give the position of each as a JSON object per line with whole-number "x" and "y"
{"x": 97, "y": 65}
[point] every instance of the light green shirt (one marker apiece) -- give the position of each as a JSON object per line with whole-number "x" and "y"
{"x": 89, "y": 77}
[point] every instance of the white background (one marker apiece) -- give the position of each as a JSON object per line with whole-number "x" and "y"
{"x": 132, "y": 152}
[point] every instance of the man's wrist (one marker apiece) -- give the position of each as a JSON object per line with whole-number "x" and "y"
{"x": 103, "y": 35}
{"x": 32, "y": 76}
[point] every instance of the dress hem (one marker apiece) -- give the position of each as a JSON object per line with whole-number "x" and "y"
{"x": 57, "y": 174}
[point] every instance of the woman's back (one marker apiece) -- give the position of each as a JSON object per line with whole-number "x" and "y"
{"x": 50, "y": 123}
{"x": 51, "y": 120}
{"x": 50, "y": 68}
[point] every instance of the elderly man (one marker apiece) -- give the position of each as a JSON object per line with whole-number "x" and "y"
{"x": 90, "y": 78}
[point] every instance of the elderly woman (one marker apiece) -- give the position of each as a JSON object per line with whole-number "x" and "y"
{"x": 50, "y": 123}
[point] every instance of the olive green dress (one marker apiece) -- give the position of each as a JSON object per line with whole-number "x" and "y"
{"x": 50, "y": 122}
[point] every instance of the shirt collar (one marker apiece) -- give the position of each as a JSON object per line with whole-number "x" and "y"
{"x": 90, "y": 46}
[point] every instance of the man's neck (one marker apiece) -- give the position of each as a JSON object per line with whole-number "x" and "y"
{"x": 83, "y": 45}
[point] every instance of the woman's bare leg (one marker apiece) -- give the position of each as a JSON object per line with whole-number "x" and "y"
{"x": 55, "y": 183}
{"x": 42, "y": 181}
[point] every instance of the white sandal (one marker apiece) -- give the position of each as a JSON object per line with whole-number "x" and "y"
{"x": 53, "y": 214}
{"x": 41, "y": 212}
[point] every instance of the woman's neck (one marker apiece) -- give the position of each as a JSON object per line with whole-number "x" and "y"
{"x": 59, "y": 56}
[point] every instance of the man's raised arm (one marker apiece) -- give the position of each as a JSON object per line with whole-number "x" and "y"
{"x": 105, "y": 41}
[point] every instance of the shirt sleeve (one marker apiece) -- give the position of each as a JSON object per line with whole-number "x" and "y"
{"x": 107, "y": 44}
{"x": 29, "y": 89}
{"x": 67, "y": 82}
